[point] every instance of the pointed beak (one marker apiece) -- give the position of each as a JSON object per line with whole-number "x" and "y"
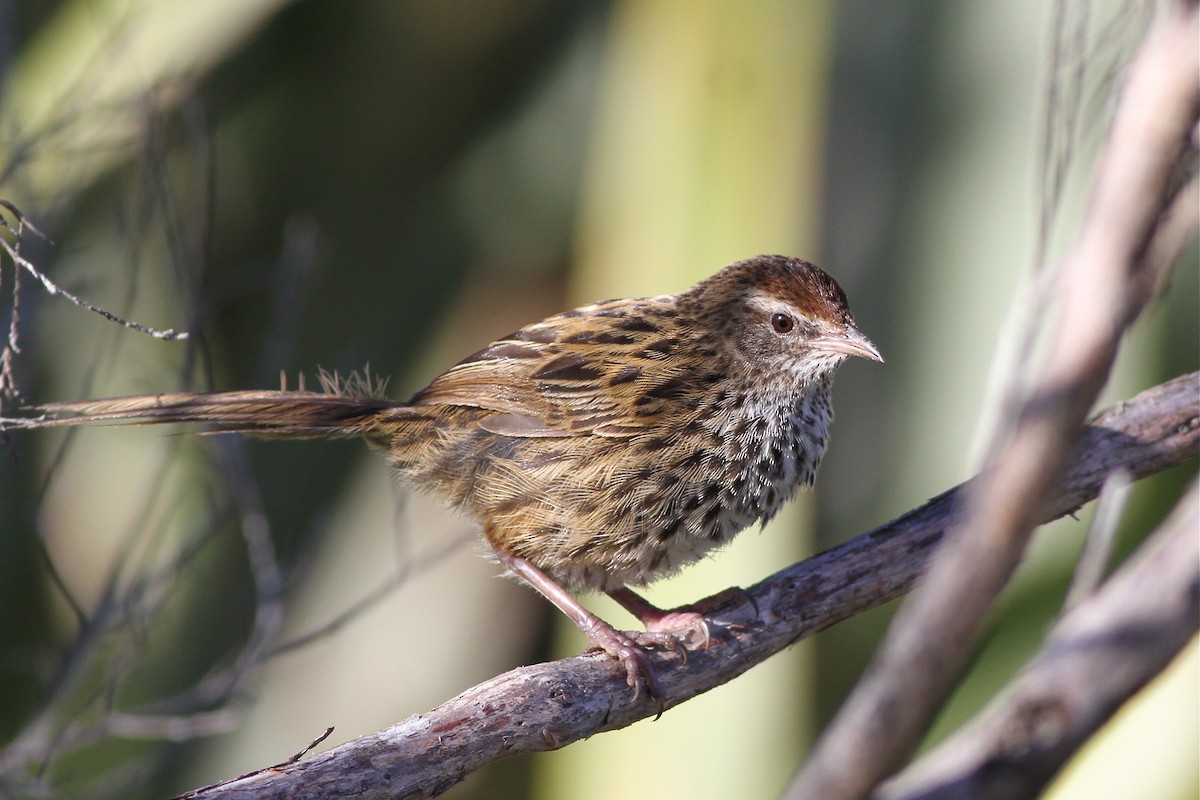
{"x": 849, "y": 342}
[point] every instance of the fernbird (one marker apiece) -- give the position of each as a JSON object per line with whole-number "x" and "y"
{"x": 601, "y": 448}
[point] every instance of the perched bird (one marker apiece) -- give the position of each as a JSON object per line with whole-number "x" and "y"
{"x": 601, "y": 448}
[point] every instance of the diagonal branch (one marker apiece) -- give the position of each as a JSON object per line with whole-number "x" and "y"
{"x": 1098, "y": 656}
{"x": 547, "y": 706}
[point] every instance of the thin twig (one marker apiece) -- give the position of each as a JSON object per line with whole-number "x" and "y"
{"x": 57, "y": 291}
{"x": 311, "y": 746}
{"x": 382, "y": 590}
{"x": 289, "y": 761}
{"x": 1098, "y": 544}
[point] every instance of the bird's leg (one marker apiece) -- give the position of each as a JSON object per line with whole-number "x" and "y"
{"x": 661, "y": 623}
{"x": 617, "y": 644}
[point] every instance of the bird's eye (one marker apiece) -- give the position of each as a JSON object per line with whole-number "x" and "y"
{"x": 782, "y": 323}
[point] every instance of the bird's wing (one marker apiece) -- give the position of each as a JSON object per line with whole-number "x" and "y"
{"x": 606, "y": 369}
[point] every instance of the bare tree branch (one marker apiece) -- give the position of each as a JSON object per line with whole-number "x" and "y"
{"x": 547, "y": 706}
{"x": 1109, "y": 274}
{"x": 1098, "y": 656}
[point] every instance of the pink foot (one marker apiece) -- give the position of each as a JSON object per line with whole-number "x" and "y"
{"x": 669, "y": 629}
{"x": 628, "y": 649}
{"x": 624, "y": 647}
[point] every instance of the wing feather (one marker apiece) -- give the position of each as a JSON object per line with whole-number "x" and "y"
{"x": 603, "y": 369}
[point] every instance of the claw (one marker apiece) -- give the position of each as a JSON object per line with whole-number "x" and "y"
{"x": 626, "y": 648}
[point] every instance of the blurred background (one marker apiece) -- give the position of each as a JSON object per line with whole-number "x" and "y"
{"x": 396, "y": 183}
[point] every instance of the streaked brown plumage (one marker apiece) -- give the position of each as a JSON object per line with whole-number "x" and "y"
{"x": 600, "y": 448}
